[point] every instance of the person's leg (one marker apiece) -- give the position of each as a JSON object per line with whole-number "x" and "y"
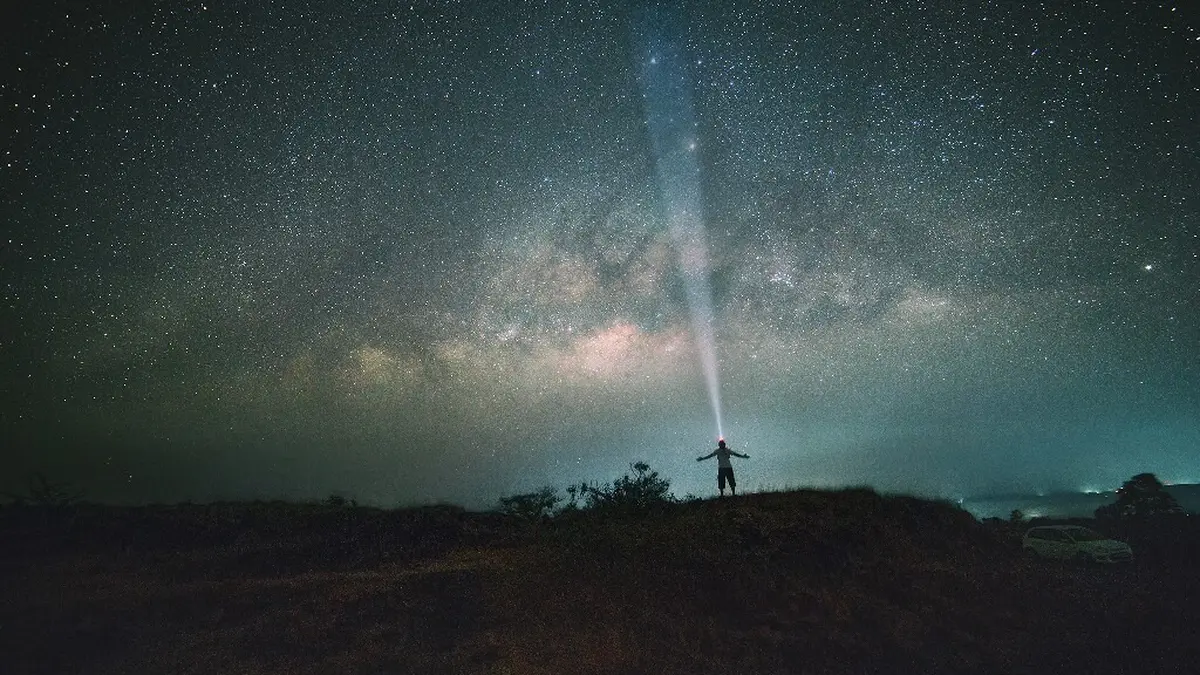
{"x": 732, "y": 484}
{"x": 721, "y": 481}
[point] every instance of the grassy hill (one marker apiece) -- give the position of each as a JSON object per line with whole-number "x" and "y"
{"x": 792, "y": 582}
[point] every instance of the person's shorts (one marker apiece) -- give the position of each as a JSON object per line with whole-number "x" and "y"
{"x": 725, "y": 473}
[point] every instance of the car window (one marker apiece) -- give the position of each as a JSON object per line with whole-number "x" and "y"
{"x": 1084, "y": 534}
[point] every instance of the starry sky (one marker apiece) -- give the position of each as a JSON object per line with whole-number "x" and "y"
{"x": 418, "y": 252}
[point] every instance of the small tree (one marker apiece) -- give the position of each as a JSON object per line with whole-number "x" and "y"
{"x": 337, "y": 500}
{"x": 46, "y": 494}
{"x": 531, "y": 506}
{"x": 1141, "y": 496}
{"x": 1016, "y": 517}
{"x": 637, "y": 491}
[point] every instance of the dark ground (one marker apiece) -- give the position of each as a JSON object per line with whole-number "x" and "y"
{"x": 795, "y": 582}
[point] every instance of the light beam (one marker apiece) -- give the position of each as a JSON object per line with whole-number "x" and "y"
{"x": 671, "y": 124}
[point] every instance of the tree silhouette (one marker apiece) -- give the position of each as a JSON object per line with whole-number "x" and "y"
{"x": 637, "y": 491}
{"x": 1140, "y": 496}
{"x": 44, "y": 493}
{"x": 531, "y": 506}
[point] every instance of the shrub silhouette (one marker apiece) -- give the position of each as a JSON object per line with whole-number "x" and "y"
{"x": 43, "y": 493}
{"x": 637, "y": 490}
{"x": 337, "y": 500}
{"x": 531, "y": 506}
{"x": 1140, "y": 497}
{"x": 640, "y": 490}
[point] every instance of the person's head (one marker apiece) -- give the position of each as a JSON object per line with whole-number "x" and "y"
{"x": 721, "y": 443}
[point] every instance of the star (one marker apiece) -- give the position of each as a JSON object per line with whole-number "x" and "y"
{"x": 298, "y": 251}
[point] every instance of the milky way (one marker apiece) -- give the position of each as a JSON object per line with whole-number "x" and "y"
{"x": 417, "y": 253}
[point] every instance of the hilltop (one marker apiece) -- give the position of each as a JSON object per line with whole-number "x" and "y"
{"x": 843, "y": 581}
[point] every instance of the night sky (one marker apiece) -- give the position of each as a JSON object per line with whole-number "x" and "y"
{"x": 433, "y": 251}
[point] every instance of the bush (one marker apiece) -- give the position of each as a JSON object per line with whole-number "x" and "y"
{"x": 640, "y": 490}
{"x": 634, "y": 491}
{"x": 531, "y": 506}
{"x": 1140, "y": 497}
{"x": 43, "y": 493}
{"x": 340, "y": 501}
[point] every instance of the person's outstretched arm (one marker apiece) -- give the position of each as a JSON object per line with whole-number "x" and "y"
{"x": 740, "y": 455}
{"x": 701, "y": 459}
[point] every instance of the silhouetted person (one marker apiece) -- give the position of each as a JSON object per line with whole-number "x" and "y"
{"x": 724, "y": 467}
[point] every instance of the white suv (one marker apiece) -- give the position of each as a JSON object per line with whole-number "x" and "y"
{"x": 1075, "y": 542}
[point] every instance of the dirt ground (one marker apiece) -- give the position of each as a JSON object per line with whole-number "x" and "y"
{"x": 820, "y": 582}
